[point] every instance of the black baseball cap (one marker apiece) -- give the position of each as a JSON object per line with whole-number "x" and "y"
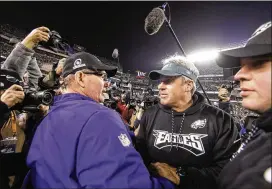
{"x": 258, "y": 44}
{"x": 84, "y": 60}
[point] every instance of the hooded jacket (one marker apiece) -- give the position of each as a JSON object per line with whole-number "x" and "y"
{"x": 251, "y": 168}
{"x": 201, "y": 140}
{"x": 82, "y": 144}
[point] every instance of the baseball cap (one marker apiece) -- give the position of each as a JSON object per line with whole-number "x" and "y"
{"x": 8, "y": 78}
{"x": 84, "y": 60}
{"x": 258, "y": 44}
{"x": 172, "y": 69}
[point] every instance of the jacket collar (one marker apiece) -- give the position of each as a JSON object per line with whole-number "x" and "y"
{"x": 264, "y": 122}
{"x": 70, "y": 97}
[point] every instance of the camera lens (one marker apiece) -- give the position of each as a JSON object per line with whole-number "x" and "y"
{"x": 47, "y": 98}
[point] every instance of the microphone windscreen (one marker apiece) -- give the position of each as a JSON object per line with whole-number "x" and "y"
{"x": 154, "y": 21}
{"x": 115, "y": 53}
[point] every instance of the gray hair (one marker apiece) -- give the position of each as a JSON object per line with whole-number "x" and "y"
{"x": 181, "y": 60}
{"x": 194, "y": 84}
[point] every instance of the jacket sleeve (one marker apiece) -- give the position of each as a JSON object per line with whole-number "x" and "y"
{"x": 107, "y": 159}
{"x": 34, "y": 73}
{"x": 20, "y": 60}
{"x": 225, "y": 145}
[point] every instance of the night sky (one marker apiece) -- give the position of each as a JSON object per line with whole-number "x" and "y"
{"x": 103, "y": 26}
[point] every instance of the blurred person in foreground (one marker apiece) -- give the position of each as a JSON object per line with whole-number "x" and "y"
{"x": 184, "y": 133}
{"x": 83, "y": 144}
{"x": 12, "y": 162}
{"x": 250, "y": 166}
{"x": 13, "y": 122}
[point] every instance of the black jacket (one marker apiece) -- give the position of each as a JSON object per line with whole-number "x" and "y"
{"x": 4, "y": 113}
{"x": 226, "y": 106}
{"x": 203, "y": 147}
{"x": 250, "y": 168}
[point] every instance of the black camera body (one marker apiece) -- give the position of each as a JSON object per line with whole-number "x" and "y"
{"x": 150, "y": 101}
{"x": 110, "y": 104}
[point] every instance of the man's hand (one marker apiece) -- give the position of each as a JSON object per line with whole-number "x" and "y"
{"x": 37, "y": 35}
{"x": 43, "y": 109}
{"x": 166, "y": 171}
{"x": 22, "y": 118}
{"x": 60, "y": 66}
{"x": 136, "y": 132}
{"x": 13, "y": 95}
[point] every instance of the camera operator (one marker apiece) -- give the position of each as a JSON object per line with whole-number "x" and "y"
{"x": 137, "y": 115}
{"x": 121, "y": 103}
{"x": 12, "y": 136}
{"x": 192, "y": 137}
{"x": 22, "y": 59}
{"x": 224, "y": 98}
{"x": 90, "y": 148}
{"x": 250, "y": 166}
{"x": 128, "y": 112}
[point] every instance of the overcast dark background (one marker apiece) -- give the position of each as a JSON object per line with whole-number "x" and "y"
{"x": 103, "y": 26}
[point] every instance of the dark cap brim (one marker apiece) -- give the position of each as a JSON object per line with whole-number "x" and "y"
{"x": 156, "y": 74}
{"x": 231, "y": 58}
{"x": 110, "y": 70}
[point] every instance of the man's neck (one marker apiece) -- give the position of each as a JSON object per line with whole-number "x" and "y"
{"x": 183, "y": 105}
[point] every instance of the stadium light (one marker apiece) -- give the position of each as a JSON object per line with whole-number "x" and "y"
{"x": 202, "y": 56}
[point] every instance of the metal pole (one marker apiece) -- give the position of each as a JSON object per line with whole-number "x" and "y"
{"x": 176, "y": 39}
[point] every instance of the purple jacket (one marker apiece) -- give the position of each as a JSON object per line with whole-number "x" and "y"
{"x": 82, "y": 144}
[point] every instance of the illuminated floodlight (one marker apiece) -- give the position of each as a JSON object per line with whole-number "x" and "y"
{"x": 202, "y": 56}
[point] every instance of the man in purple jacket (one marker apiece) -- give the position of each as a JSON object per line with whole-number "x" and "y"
{"x": 82, "y": 144}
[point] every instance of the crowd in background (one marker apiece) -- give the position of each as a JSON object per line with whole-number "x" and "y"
{"x": 127, "y": 94}
{"x": 121, "y": 80}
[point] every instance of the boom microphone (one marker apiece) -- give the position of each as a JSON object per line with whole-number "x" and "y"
{"x": 115, "y": 53}
{"x": 154, "y": 21}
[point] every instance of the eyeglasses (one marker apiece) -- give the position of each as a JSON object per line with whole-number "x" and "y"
{"x": 103, "y": 75}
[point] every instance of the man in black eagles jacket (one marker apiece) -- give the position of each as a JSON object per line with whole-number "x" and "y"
{"x": 184, "y": 132}
{"x": 250, "y": 166}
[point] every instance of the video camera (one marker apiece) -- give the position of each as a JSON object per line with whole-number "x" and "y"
{"x": 32, "y": 98}
{"x": 230, "y": 86}
{"x": 149, "y": 99}
{"x": 110, "y": 104}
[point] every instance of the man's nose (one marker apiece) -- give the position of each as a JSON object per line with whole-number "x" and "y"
{"x": 242, "y": 74}
{"x": 161, "y": 86}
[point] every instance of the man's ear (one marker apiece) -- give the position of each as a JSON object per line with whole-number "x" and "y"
{"x": 79, "y": 78}
{"x": 189, "y": 86}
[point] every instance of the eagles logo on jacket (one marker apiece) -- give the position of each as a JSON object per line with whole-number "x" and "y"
{"x": 201, "y": 139}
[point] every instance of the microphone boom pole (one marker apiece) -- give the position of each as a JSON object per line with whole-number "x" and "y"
{"x": 180, "y": 47}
